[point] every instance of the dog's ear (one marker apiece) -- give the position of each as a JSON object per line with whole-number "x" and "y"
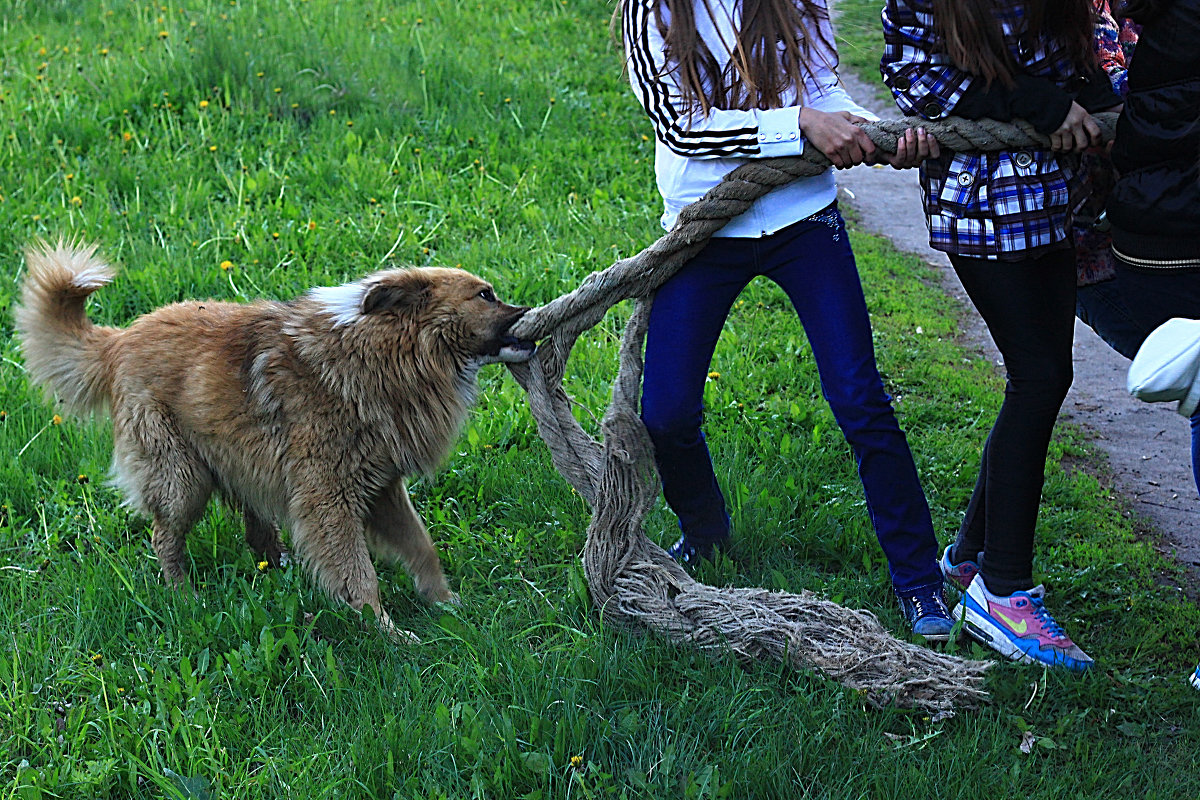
{"x": 406, "y": 293}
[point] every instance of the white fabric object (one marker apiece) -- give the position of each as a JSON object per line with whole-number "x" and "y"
{"x": 694, "y": 150}
{"x": 1167, "y": 365}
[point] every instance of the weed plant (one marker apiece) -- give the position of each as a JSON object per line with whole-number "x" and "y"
{"x": 251, "y": 148}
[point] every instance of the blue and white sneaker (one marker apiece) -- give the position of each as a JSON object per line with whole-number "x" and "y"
{"x": 1195, "y": 679}
{"x": 690, "y": 555}
{"x": 1019, "y": 627}
{"x": 924, "y": 609}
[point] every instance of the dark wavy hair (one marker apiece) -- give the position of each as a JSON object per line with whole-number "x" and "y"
{"x": 975, "y": 40}
{"x": 773, "y": 50}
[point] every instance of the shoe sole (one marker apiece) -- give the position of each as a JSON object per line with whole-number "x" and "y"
{"x": 978, "y": 626}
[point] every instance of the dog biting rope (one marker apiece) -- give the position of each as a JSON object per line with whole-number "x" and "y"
{"x": 632, "y": 579}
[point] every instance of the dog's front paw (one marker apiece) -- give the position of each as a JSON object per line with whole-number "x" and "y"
{"x": 441, "y": 597}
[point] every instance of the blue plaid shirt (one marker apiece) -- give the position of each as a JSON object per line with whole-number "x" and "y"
{"x": 1007, "y": 205}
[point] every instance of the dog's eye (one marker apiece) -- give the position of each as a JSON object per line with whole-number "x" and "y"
{"x": 488, "y": 295}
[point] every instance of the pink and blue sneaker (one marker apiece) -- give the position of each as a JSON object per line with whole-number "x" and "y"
{"x": 1019, "y": 627}
{"x": 957, "y": 575}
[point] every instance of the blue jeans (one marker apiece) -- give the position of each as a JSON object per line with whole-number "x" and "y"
{"x": 812, "y": 262}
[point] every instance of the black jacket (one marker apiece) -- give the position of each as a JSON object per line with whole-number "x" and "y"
{"x": 1155, "y": 206}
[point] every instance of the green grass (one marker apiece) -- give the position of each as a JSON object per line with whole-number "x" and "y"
{"x": 309, "y": 142}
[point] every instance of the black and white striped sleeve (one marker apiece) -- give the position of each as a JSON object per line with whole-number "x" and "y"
{"x": 688, "y": 131}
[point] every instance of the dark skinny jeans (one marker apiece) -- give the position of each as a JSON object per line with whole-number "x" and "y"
{"x": 1029, "y": 308}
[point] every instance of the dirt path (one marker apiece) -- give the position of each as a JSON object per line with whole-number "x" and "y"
{"x": 1148, "y": 445}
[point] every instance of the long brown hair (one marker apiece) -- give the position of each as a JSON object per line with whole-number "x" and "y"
{"x": 757, "y": 74}
{"x": 975, "y": 40}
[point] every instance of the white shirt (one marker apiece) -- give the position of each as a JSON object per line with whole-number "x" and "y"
{"x": 694, "y": 150}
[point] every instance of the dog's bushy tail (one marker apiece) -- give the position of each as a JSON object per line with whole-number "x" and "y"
{"x": 64, "y": 352}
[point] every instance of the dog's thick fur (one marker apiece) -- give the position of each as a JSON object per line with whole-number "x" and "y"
{"x": 309, "y": 413}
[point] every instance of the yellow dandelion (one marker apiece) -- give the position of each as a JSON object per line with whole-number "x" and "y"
{"x": 103, "y": 51}
{"x": 277, "y": 89}
{"x": 203, "y": 104}
{"x": 76, "y": 200}
{"x": 212, "y": 148}
{"x": 312, "y": 226}
{"x": 226, "y": 266}
{"x": 70, "y": 175}
{"x": 98, "y": 659}
{"x": 333, "y": 112}
{"x": 56, "y": 420}
{"x": 163, "y": 34}
{"x": 275, "y": 235}
{"x": 126, "y": 136}
{"x": 83, "y": 479}
{"x": 349, "y": 123}
{"x": 576, "y": 762}
{"x": 262, "y": 566}
{"x": 712, "y": 376}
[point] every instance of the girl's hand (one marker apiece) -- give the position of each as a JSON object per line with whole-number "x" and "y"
{"x": 911, "y": 149}
{"x": 835, "y": 134}
{"x": 1077, "y": 132}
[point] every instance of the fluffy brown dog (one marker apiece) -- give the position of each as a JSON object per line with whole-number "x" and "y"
{"x": 309, "y": 413}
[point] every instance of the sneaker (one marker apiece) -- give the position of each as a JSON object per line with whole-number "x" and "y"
{"x": 690, "y": 555}
{"x": 1019, "y": 627}
{"x": 957, "y": 575}
{"x": 924, "y": 608}
{"x": 1195, "y": 679}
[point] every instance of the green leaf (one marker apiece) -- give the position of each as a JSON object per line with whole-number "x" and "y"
{"x": 194, "y": 788}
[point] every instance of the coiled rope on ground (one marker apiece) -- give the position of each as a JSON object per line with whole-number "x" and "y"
{"x": 631, "y": 579}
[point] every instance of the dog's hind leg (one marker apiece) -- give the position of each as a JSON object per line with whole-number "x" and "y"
{"x": 262, "y": 537}
{"x": 395, "y": 532}
{"x": 166, "y": 479}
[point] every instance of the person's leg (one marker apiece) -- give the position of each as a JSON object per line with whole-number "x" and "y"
{"x": 1029, "y": 309}
{"x": 813, "y": 263}
{"x": 1101, "y": 307}
{"x": 1195, "y": 421}
{"x": 1153, "y": 297}
{"x": 686, "y": 318}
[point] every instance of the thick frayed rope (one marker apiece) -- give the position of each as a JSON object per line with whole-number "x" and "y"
{"x": 631, "y": 579}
